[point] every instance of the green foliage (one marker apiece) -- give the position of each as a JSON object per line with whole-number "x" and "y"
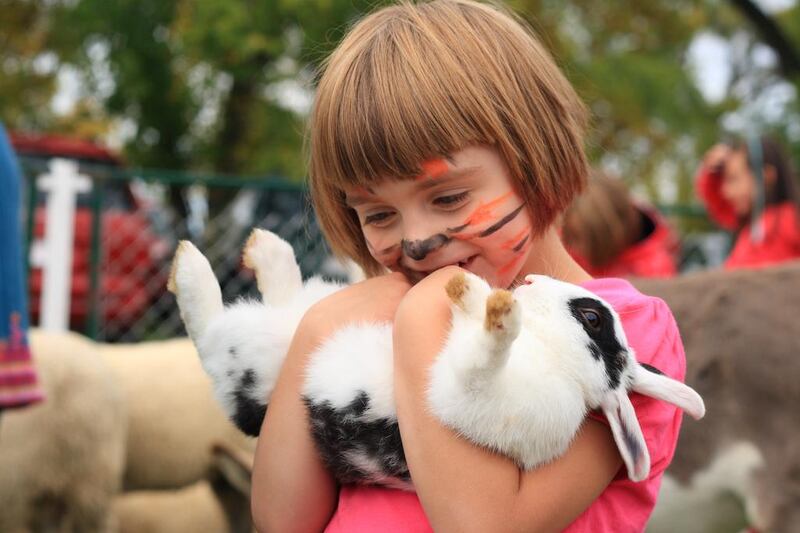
{"x": 198, "y": 84}
{"x": 24, "y": 33}
{"x": 626, "y": 60}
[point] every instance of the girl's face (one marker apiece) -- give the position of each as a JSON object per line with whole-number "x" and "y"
{"x": 738, "y": 183}
{"x": 462, "y": 210}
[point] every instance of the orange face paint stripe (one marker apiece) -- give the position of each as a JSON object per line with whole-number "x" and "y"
{"x": 455, "y": 232}
{"x": 432, "y": 169}
{"x": 513, "y": 241}
{"x": 502, "y": 222}
{"x": 518, "y": 247}
{"x": 508, "y": 266}
{"x": 483, "y": 212}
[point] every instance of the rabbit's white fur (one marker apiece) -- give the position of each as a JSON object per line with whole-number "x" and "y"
{"x": 518, "y": 373}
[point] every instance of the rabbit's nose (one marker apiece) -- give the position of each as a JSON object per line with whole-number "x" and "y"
{"x": 529, "y": 279}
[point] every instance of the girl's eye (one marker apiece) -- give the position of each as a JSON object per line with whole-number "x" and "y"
{"x": 378, "y": 219}
{"x": 591, "y": 317}
{"x": 451, "y": 199}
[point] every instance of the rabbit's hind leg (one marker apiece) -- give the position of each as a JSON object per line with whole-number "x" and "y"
{"x": 272, "y": 258}
{"x": 196, "y": 289}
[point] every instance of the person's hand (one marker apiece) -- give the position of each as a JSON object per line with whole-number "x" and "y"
{"x": 714, "y": 159}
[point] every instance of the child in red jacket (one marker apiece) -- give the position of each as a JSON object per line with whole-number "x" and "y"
{"x": 749, "y": 187}
{"x": 612, "y": 235}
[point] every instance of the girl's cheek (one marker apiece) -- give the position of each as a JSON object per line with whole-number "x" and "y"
{"x": 385, "y": 249}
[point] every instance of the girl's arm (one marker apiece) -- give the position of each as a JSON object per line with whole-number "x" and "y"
{"x": 292, "y": 490}
{"x": 463, "y": 487}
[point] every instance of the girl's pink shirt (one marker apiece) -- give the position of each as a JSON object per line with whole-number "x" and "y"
{"x": 624, "y": 506}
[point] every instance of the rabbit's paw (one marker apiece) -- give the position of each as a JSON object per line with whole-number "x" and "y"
{"x": 468, "y": 293}
{"x": 276, "y": 269}
{"x": 502, "y": 318}
{"x": 190, "y": 269}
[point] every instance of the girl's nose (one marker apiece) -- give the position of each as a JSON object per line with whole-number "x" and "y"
{"x": 420, "y": 249}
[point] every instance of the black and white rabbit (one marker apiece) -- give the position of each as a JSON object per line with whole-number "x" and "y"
{"x": 518, "y": 373}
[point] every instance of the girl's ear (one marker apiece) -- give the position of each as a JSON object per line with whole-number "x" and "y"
{"x": 627, "y": 434}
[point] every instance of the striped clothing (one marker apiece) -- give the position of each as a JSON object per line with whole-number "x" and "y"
{"x": 18, "y": 381}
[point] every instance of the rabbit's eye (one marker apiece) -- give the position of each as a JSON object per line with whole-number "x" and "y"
{"x": 591, "y": 318}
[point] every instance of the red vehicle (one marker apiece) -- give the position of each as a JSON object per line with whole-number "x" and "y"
{"x": 131, "y": 270}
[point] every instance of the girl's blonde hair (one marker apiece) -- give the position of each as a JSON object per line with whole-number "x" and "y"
{"x": 417, "y": 81}
{"x": 604, "y": 220}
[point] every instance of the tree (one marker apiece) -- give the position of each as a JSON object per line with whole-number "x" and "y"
{"x": 27, "y": 71}
{"x": 627, "y": 61}
{"x": 203, "y": 85}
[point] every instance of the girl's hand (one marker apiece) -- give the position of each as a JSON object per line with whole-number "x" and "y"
{"x": 292, "y": 489}
{"x": 714, "y": 159}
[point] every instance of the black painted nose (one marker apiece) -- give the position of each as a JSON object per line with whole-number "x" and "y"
{"x": 419, "y": 249}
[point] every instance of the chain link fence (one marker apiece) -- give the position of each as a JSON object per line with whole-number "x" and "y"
{"x": 128, "y": 225}
{"x": 126, "y": 230}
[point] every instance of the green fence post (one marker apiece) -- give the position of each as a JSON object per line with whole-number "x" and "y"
{"x": 94, "y": 258}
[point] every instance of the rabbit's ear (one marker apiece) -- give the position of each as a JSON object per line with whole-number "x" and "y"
{"x": 651, "y": 382}
{"x": 628, "y": 435}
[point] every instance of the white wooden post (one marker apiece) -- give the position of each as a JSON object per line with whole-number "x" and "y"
{"x": 62, "y": 186}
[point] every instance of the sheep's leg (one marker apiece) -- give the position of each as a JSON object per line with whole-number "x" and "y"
{"x": 196, "y": 289}
{"x": 273, "y": 260}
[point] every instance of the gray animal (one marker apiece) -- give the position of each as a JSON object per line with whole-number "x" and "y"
{"x": 740, "y": 330}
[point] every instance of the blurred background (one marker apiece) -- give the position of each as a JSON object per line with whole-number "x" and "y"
{"x": 187, "y": 119}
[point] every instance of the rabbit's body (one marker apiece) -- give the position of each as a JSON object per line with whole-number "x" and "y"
{"x": 518, "y": 372}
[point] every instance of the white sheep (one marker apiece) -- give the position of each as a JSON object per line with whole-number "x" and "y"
{"x": 218, "y": 504}
{"x": 172, "y": 416}
{"x": 551, "y": 337}
{"x": 61, "y": 461}
{"x": 117, "y": 417}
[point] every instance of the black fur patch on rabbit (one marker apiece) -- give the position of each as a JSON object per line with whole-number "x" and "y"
{"x": 344, "y": 436}
{"x": 249, "y": 413}
{"x": 605, "y": 345}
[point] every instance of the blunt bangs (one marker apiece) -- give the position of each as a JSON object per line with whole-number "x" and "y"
{"x": 402, "y": 100}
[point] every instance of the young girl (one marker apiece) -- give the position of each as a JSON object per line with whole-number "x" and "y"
{"x": 749, "y": 187}
{"x": 612, "y": 235}
{"x": 444, "y": 137}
